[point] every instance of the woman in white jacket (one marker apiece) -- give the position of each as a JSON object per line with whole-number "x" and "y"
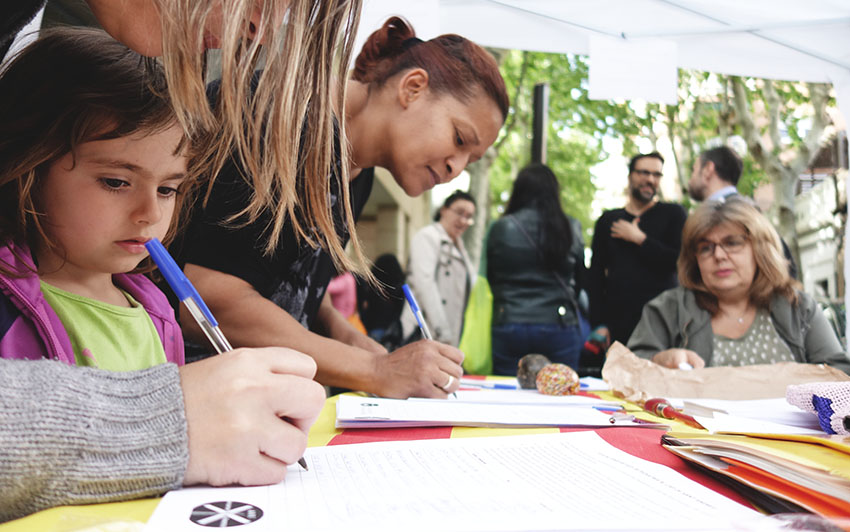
{"x": 439, "y": 271}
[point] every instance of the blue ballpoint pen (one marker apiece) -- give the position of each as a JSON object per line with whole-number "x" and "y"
{"x": 420, "y": 319}
{"x": 187, "y": 294}
{"x": 490, "y": 385}
{"x": 190, "y": 297}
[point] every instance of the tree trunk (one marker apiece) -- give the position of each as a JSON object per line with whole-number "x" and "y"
{"x": 479, "y": 182}
{"x": 783, "y": 176}
{"x": 479, "y": 188}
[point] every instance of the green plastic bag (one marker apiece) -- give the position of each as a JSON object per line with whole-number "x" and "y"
{"x": 475, "y": 340}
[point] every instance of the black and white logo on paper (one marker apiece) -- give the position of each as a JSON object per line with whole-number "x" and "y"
{"x": 223, "y": 514}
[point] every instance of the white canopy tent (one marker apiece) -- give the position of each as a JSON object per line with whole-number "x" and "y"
{"x": 643, "y": 39}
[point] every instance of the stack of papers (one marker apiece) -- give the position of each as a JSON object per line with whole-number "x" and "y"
{"x": 780, "y": 473}
{"x": 756, "y": 415}
{"x": 570, "y": 481}
{"x": 563, "y": 411}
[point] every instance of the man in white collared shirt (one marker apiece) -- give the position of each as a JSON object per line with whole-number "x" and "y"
{"x": 715, "y": 174}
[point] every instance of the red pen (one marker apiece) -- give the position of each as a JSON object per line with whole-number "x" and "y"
{"x": 662, "y": 408}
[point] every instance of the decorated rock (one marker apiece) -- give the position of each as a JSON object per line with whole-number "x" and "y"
{"x": 557, "y": 379}
{"x": 527, "y": 370}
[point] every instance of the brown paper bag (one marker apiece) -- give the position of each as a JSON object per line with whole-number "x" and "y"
{"x": 637, "y": 379}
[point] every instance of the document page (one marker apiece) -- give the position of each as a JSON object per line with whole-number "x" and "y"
{"x": 488, "y": 395}
{"x": 355, "y": 411}
{"x": 569, "y": 481}
{"x": 776, "y": 410}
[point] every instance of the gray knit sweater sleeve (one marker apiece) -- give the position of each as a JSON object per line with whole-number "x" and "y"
{"x": 72, "y": 435}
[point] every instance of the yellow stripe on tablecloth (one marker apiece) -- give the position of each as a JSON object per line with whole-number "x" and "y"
{"x": 127, "y": 516}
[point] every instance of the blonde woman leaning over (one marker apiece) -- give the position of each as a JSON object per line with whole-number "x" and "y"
{"x": 306, "y": 64}
{"x": 737, "y": 304}
{"x": 189, "y": 421}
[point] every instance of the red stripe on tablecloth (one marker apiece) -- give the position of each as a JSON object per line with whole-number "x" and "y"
{"x": 400, "y": 434}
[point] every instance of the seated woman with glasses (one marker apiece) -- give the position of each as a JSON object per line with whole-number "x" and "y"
{"x": 439, "y": 271}
{"x": 737, "y": 304}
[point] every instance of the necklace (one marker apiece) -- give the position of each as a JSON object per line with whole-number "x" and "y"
{"x": 740, "y": 319}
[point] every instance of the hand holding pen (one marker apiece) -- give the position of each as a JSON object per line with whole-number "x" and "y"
{"x": 426, "y": 333}
{"x": 190, "y": 297}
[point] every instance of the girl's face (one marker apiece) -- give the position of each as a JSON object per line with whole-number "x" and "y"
{"x": 102, "y": 203}
{"x": 437, "y": 135}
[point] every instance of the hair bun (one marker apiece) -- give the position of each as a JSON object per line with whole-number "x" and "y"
{"x": 395, "y": 37}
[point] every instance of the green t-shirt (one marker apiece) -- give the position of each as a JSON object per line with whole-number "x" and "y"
{"x": 107, "y": 336}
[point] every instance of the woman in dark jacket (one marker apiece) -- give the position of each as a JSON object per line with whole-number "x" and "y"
{"x": 535, "y": 267}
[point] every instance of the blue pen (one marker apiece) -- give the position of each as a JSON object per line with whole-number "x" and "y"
{"x": 491, "y": 385}
{"x": 187, "y": 294}
{"x": 420, "y": 319}
{"x": 190, "y": 297}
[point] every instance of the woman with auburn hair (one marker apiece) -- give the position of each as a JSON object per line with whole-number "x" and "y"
{"x": 737, "y": 304}
{"x": 422, "y": 110}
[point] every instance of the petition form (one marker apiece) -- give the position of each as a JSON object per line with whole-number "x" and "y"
{"x": 567, "y": 481}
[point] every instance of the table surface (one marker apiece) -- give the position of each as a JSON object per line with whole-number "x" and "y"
{"x": 641, "y": 442}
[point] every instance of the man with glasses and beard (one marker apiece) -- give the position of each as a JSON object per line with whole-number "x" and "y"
{"x": 634, "y": 251}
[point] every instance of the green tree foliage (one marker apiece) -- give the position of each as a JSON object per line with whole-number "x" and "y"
{"x": 778, "y": 126}
{"x": 575, "y": 130}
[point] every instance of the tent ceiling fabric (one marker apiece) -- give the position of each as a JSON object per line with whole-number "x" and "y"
{"x": 779, "y": 39}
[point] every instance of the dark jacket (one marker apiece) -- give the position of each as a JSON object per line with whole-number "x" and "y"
{"x": 524, "y": 289}
{"x": 674, "y": 319}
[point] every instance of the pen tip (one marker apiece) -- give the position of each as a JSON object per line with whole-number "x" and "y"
{"x": 303, "y": 463}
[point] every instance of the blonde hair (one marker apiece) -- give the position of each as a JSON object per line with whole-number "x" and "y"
{"x": 771, "y": 276}
{"x": 305, "y": 63}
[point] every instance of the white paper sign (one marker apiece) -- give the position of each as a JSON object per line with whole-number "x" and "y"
{"x": 633, "y": 69}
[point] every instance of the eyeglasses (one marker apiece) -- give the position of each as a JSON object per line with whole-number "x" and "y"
{"x": 647, "y": 173}
{"x": 730, "y": 244}
{"x": 467, "y": 217}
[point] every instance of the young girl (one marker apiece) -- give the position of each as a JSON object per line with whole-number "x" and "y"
{"x": 95, "y": 168}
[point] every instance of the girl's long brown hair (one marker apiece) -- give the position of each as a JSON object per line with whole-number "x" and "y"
{"x": 71, "y": 86}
